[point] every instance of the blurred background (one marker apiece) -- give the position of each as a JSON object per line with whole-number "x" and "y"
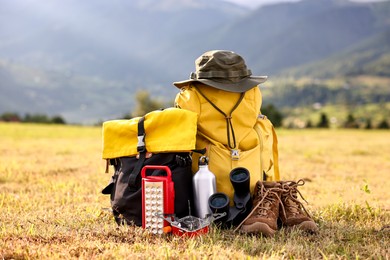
{"x": 84, "y": 62}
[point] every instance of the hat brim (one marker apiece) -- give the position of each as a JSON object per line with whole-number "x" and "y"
{"x": 239, "y": 87}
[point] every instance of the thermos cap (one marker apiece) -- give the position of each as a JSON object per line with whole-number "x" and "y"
{"x": 203, "y": 160}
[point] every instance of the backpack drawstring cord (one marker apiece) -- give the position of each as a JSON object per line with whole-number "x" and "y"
{"x": 228, "y": 118}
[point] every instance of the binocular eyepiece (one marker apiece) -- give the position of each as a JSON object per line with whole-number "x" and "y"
{"x": 219, "y": 202}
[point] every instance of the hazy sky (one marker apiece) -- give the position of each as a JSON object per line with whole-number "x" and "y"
{"x": 255, "y": 3}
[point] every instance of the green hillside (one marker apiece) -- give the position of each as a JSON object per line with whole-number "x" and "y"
{"x": 370, "y": 57}
{"x": 86, "y": 60}
{"x": 300, "y": 100}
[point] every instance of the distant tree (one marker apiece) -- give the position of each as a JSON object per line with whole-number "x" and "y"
{"x": 383, "y": 124}
{"x": 36, "y": 118}
{"x": 351, "y": 122}
{"x": 309, "y": 124}
{"x": 127, "y": 116}
{"x": 145, "y": 104}
{"x": 10, "y": 117}
{"x": 27, "y": 118}
{"x": 43, "y": 119}
{"x": 368, "y": 124}
{"x": 324, "y": 121}
{"x": 273, "y": 114}
{"x": 58, "y": 120}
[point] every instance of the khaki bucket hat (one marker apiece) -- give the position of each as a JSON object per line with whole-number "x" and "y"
{"x": 224, "y": 70}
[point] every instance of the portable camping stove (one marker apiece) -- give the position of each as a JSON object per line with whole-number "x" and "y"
{"x": 190, "y": 226}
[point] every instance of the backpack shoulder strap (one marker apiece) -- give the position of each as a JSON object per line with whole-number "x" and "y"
{"x": 141, "y": 147}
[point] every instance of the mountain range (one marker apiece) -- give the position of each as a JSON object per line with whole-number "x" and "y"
{"x": 85, "y": 60}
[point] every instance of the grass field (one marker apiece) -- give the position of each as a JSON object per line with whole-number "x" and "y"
{"x": 51, "y": 206}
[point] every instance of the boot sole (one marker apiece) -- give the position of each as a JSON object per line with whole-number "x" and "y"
{"x": 258, "y": 227}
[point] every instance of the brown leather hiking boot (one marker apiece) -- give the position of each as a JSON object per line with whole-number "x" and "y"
{"x": 265, "y": 212}
{"x": 294, "y": 213}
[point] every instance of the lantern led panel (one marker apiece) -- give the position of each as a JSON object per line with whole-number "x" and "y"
{"x": 153, "y": 204}
{"x": 157, "y": 198}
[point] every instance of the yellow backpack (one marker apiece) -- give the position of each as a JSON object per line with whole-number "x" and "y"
{"x": 234, "y": 133}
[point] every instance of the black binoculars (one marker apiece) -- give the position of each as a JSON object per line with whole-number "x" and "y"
{"x": 219, "y": 202}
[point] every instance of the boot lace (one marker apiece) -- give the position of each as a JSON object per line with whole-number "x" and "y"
{"x": 268, "y": 198}
{"x": 290, "y": 198}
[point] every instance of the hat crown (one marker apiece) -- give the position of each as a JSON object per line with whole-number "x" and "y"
{"x": 224, "y": 70}
{"x": 220, "y": 64}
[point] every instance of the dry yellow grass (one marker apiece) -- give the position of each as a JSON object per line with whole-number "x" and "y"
{"x": 339, "y": 164}
{"x": 51, "y": 206}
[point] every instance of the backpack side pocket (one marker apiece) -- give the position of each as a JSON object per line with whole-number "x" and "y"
{"x": 269, "y": 148}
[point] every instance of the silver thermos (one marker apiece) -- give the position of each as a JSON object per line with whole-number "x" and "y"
{"x": 203, "y": 186}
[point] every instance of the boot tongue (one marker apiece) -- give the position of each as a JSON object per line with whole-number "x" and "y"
{"x": 266, "y": 187}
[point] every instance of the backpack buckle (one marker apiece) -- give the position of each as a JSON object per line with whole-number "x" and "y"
{"x": 235, "y": 154}
{"x": 141, "y": 143}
